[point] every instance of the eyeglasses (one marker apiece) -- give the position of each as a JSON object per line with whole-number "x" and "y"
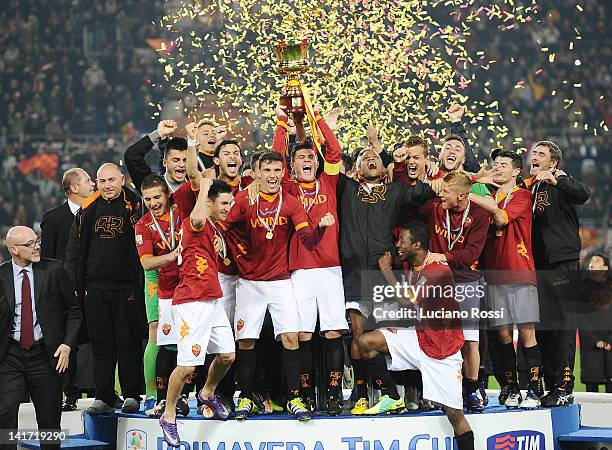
{"x": 30, "y": 244}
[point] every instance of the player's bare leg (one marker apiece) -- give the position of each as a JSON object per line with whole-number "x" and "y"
{"x": 175, "y": 386}
{"x": 217, "y": 370}
{"x": 359, "y": 369}
{"x": 463, "y": 432}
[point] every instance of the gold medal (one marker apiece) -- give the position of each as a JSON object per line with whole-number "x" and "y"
{"x": 498, "y": 233}
{"x": 269, "y": 235}
{"x": 227, "y": 261}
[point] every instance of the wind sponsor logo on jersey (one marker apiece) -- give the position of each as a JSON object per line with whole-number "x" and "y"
{"x": 441, "y": 231}
{"x": 256, "y": 223}
{"x": 310, "y": 201}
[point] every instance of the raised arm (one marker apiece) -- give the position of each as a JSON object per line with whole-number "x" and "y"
{"x": 455, "y": 113}
{"x": 192, "y": 156}
{"x": 135, "y": 154}
{"x": 488, "y": 203}
{"x": 332, "y": 155}
{"x": 200, "y": 211}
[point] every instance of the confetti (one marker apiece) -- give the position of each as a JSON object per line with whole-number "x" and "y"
{"x": 397, "y": 64}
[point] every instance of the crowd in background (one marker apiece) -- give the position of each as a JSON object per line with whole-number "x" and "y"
{"x": 76, "y": 79}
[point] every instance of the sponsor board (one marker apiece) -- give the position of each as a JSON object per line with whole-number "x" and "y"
{"x": 511, "y": 431}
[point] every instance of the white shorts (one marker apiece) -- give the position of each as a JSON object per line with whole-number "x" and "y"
{"x": 167, "y": 334}
{"x": 364, "y": 307}
{"x": 228, "y": 287}
{"x": 203, "y": 328}
{"x": 320, "y": 291}
{"x": 441, "y": 377}
{"x": 253, "y": 298}
{"x": 469, "y": 302}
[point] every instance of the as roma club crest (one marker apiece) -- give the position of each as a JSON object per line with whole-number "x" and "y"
{"x": 195, "y": 349}
{"x": 166, "y": 329}
{"x": 240, "y": 325}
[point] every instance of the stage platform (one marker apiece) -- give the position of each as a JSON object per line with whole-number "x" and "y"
{"x": 495, "y": 429}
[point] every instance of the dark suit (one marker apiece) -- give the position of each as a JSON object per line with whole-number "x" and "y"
{"x": 59, "y": 318}
{"x": 55, "y": 229}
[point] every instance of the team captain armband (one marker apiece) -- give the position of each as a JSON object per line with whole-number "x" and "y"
{"x": 299, "y": 226}
{"x": 331, "y": 168}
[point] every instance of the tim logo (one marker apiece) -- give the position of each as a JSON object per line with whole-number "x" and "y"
{"x": 108, "y": 226}
{"x": 136, "y": 440}
{"x": 517, "y": 440}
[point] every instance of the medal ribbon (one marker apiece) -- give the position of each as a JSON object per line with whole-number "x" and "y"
{"x": 448, "y": 227}
{"x": 161, "y": 232}
{"x": 263, "y": 222}
{"x": 217, "y": 233}
{"x": 314, "y": 128}
{"x": 303, "y": 194}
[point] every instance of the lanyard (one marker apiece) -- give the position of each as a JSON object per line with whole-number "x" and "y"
{"x": 303, "y": 195}
{"x": 452, "y": 243}
{"x": 161, "y": 232}
{"x": 534, "y": 191}
{"x": 270, "y": 233}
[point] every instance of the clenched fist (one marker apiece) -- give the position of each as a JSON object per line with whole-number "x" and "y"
{"x": 326, "y": 221}
{"x": 166, "y": 128}
{"x": 191, "y": 130}
{"x": 455, "y": 112}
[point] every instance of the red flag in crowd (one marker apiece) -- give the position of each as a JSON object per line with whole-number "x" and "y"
{"x": 45, "y": 163}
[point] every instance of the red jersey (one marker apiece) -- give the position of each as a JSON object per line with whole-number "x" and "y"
{"x": 240, "y": 183}
{"x": 257, "y": 257}
{"x": 438, "y": 337}
{"x": 150, "y": 243}
{"x": 185, "y": 198}
{"x": 318, "y": 198}
{"x": 468, "y": 243}
{"x": 507, "y": 257}
{"x": 199, "y": 279}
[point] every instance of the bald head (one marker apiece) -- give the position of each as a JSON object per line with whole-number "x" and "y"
{"x": 110, "y": 180}
{"x": 23, "y": 245}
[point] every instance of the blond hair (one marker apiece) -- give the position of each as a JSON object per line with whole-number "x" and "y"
{"x": 459, "y": 178}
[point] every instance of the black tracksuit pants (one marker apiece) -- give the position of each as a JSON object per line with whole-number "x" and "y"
{"x": 115, "y": 333}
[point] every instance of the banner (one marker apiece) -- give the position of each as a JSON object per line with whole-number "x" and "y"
{"x": 520, "y": 430}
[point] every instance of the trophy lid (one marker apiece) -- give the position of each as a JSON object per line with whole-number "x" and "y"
{"x": 292, "y": 56}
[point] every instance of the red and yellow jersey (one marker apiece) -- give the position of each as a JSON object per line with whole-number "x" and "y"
{"x": 150, "y": 243}
{"x": 508, "y": 258}
{"x": 185, "y": 198}
{"x": 198, "y": 265}
{"x": 439, "y": 337}
{"x": 468, "y": 243}
{"x": 318, "y": 198}
{"x": 257, "y": 257}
